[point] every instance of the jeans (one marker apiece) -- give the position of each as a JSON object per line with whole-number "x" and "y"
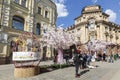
{"x": 76, "y": 67}
{"x": 111, "y": 60}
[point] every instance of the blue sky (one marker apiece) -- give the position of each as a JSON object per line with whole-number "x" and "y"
{"x": 68, "y": 10}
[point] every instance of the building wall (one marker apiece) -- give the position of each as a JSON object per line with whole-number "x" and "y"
{"x": 29, "y": 12}
{"x": 102, "y": 25}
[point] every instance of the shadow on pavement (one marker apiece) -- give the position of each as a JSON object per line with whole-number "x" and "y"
{"x": 49, "y": 68}
{"x": 44, "y": 70}
{"x": 84, "y": 71}
{"x": 87, "y": 70}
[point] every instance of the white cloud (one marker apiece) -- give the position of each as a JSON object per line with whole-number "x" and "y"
{"x": 94, "y": 1}
{"x": 61, "y": 1}
{"x": 58, "y": 1}
{"x": 112, "y": 14}
{"x": 61, "y": 25}
{"x": 61, "y": 8}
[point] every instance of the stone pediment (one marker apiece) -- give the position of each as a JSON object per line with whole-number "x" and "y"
{"x": 91, "y": 8}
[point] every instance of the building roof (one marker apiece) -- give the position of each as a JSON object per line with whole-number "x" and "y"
{"x": 91, "y": 8}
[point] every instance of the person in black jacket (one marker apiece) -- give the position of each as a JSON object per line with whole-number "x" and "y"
{"x": 104, "y": 57}
{"x": 76, "y": 60}
{"x": 77, "y": 64}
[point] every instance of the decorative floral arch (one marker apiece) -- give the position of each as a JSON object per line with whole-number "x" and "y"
{"x": 30, "y": 53}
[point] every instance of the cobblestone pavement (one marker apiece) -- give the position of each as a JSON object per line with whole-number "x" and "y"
{"x": 104, "y": 71}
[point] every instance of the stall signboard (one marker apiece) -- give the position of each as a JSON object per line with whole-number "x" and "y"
{"x": 25, "y": 56}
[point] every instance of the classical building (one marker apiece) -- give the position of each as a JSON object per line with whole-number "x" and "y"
{"x": 18, "y": 16}
{"x": 93, "y": 24}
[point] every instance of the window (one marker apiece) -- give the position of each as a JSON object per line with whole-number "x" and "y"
{"x": 92, "y": 37}
{"x": 44, "y": 30}
{"x": 106, "y": 27}
{"x": 78, "y": 29}
{"x": 38, "y": 29}
{"x": 18, "y": 23}
{"x": 17, "y": 1}
{"x": 110, "y": 29}
{"x": 78, "y": 38}
{"x": 46, "y": 14}
{"x": 23, "y": 3}
{"x": 83, "y": 17}
{"x": 39, "y": 10}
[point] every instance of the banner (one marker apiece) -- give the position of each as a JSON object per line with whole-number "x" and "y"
{"x": 25, "y": 56}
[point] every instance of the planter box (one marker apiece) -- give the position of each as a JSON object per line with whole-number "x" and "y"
{"x": 26, "y": 72}
{"x": 24, "y": 64}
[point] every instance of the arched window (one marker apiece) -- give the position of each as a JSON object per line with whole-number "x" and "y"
{"x": 18, "y": 23}
{"x": 38, "y": 29}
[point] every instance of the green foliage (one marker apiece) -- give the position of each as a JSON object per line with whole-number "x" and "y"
{"x": 55, "y": 66}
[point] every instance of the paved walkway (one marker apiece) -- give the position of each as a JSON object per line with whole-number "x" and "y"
{"x": 105, "y": 71}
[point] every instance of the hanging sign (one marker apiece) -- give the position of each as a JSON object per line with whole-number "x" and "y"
{"x": 26, "y": 56}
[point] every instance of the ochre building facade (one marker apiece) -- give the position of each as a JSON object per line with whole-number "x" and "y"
{"x": 19, "y": 16}
{"x": 93, "y": 24}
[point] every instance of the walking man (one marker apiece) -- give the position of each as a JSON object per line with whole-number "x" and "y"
{"x": 77, "y": 61}
{"x": 77, "y": 64}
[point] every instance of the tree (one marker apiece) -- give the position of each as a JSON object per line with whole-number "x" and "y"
{"x": 59, "y": 39}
